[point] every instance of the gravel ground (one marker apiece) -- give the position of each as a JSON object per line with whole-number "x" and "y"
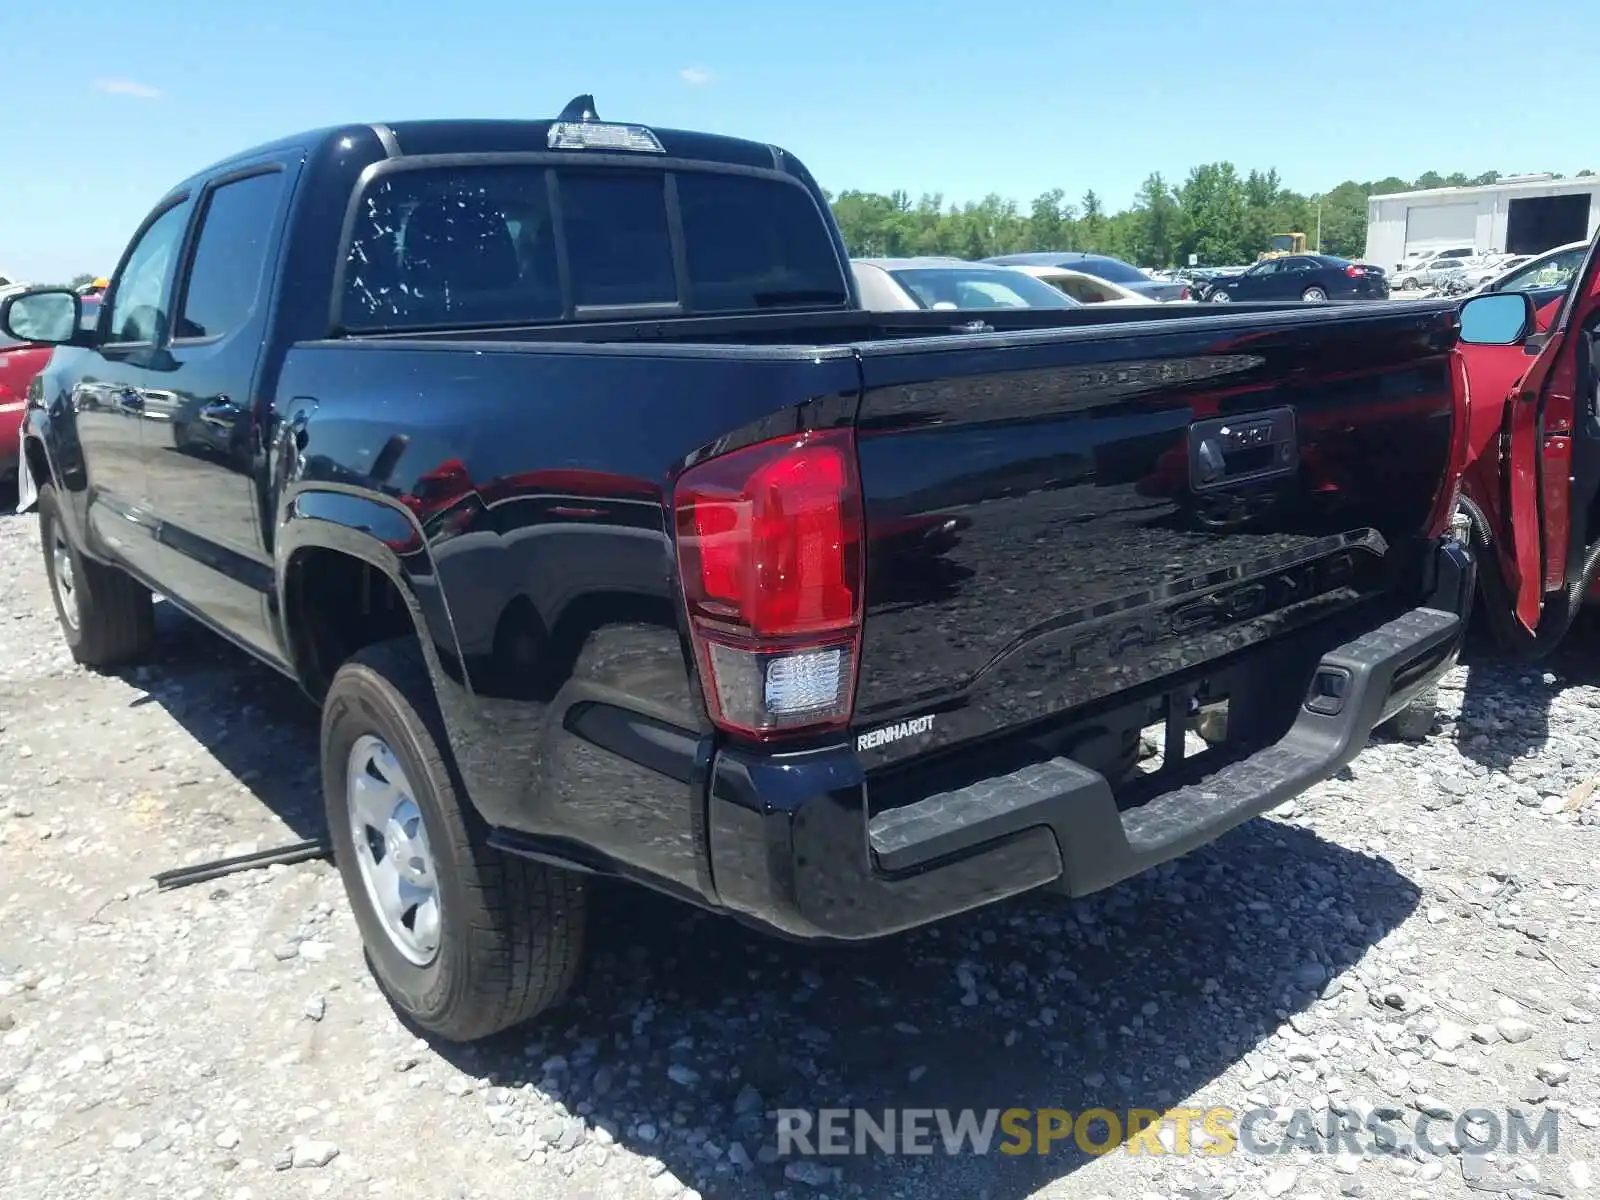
{"x": 1416, "y": 936}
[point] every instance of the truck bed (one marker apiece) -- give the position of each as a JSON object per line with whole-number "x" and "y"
{"x": 1035, "y": 543}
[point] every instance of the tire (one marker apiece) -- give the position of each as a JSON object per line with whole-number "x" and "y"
{"x": 1414, "y": 722}
{"x": 1314, "y": 295}
{"x": 106, "y": 616}
{"x": 507, "y": 933}
{"x": 1218, "y": 296}
{"x": 1409, "y": 285}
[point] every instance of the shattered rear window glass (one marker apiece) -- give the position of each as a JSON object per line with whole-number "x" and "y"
{"x": 468, "y": 245}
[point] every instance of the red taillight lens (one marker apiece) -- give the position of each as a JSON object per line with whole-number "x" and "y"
{"x": 1183, "y": 293}
{"x": 1354, "y": 272}
{"x": 770, "y": 548}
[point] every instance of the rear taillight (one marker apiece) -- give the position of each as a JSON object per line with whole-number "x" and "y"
{"x": 1183, "y": 293}
{"x": 770, "y": 555}
{"x": 1355, "y": 272}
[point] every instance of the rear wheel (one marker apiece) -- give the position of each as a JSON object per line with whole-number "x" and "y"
{"x": 464, "y": 941}
{"x": 1221, "y": 297}
{"x": 1408, "y": 285}
{"x": 107, "y": 616}
{"x": 1313, "y": 295}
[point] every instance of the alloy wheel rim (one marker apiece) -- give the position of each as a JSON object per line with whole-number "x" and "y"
{"x": 66, "y": 581}
{"x": 392, "y": 850}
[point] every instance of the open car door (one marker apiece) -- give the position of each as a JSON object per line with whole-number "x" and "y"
{"x": 1552, "y": 439}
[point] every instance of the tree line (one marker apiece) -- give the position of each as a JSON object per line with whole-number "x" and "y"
{"x": 1222, "y": 217}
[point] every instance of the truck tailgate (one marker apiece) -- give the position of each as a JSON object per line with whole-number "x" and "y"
{"x": 1054, "y": 517}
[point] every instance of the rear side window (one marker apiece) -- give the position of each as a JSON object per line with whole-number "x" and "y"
{"x": 478, "y": 245}
{"x": 230, "y": 257}
{"x": 751, "y": 243}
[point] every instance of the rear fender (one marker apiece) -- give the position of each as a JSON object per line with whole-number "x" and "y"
{"x": 388, "y": 538}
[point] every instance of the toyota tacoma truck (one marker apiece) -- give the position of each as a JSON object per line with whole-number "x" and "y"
{"x": 559, "y": 463}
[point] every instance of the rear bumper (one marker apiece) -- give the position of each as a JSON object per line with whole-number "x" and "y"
{"x": 791, "y": 848}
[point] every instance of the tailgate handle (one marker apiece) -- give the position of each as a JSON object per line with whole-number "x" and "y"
{"x": 1228, "y": 451}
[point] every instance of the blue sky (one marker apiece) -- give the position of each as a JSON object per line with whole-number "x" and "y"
{"x": 119, "y": 101}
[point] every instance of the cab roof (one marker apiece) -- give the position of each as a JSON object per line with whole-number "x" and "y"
{"x": 491, "y": 136}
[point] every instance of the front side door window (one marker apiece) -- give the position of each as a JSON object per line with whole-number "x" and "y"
{"x": 138, "y": 309}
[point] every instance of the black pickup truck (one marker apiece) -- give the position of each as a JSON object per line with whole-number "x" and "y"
{"x": 559, "y": 463}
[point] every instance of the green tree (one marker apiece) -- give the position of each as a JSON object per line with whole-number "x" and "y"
{"x": 1216, "y": 213}
{"x": 1213, "y": 201}
{"x": 1091, "y": 226}
{"x": 1387, "y": 187}
{"x": 1048, "y": 226}
{"x": 1156, "y": 226}
{"x": 1344, "y": 220}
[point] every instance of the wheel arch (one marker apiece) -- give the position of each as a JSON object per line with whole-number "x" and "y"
{"x": 352, "y": 571}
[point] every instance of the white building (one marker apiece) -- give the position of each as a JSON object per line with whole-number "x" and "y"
{"x": 1521, "y": 214}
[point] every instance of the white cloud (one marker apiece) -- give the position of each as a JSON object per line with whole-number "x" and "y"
{"x": 695, "y": 76}
{"x": 127, "y": 87}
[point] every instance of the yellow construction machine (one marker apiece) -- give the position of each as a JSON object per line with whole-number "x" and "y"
{"x": 1282, "y": 244}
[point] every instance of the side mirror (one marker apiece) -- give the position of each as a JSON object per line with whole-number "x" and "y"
{"x": 45, "y": 317}
{"x": 1497, "y": 319}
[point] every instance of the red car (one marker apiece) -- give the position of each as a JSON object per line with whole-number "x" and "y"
{"x": 19, "y": 363}
{"x": 1531, "y": 479}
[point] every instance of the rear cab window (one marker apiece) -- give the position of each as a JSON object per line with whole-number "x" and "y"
{"x": 511, "y": 243}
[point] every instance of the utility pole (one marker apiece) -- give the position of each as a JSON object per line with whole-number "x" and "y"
{"x": 1319, "y": 225}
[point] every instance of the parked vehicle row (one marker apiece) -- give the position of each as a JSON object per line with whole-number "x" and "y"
{"x": 1101, "y": 266}
{"x": 611, "y": 533}
{"x": 1089, "y": 289}
{"x": 1428, "y": 275}
{"x": 906, "y": 284}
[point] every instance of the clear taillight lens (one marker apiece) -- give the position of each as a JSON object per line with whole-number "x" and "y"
{"x": 770, "y": 555}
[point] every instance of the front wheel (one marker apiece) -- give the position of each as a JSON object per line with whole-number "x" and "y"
{"x": 464, "y": 941}
{"x": 1408, "y": 285}
{"x": 106, "y": 615}
{"x": 1314, "y": 295}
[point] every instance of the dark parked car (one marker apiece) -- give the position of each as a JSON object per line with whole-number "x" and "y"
{"x": 1101, "y": 267}
{"x": 1310, "y": 277}
{"x": 560, "y": 464}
